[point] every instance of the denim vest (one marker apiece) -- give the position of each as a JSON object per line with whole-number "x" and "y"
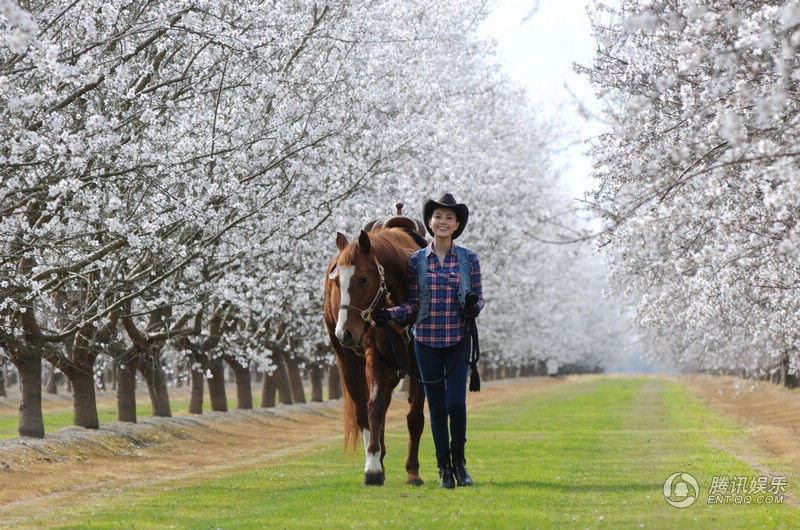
{"x": 464, "y": 281}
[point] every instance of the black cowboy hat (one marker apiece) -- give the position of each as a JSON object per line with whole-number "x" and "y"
{"x": 447, "y": 201}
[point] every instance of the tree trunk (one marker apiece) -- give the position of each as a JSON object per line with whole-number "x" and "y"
{"x": 488, "y": 372}
{"x": 782, "y": 370}
{"x": 244, "y": 392}
{"x": 84, "y": 403}
{"x": 786, "y": 379}
{"x": 29, "y": 368}
{"x": 2, "y": 381}
{"x": 541, "y": 368}
{"x": 126, "y": 390}
{"x": 196, "y": 379}
{"x": 52, "y": 381}
{"x": 316, "y": 383}
{"x": 334, "y": 383}
{"x": 156, "y": 381}
{"x": 216, "y": 386}
{"x": 268, "y": 389}
{"x": 295, "y": 379}
{"x": 282, "y": 381}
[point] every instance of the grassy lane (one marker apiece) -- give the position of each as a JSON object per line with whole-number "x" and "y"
{"x": 593, "y": 453}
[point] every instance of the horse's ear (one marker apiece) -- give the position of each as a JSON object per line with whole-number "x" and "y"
{"x": 363, "y": 242}
{"x": 341, "y": 240}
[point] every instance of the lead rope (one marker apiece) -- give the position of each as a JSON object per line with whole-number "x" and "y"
{"x": 474, "y": 356}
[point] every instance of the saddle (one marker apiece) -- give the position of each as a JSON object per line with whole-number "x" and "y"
{"x": 414, "y": 227}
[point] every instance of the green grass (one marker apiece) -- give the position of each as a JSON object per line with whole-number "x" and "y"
{"x": 590, "y": 454}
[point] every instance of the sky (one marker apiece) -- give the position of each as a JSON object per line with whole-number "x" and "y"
{"x": 538, "y": 42}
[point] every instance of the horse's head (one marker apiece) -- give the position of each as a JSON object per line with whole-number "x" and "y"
{"x": 358, "y": 279}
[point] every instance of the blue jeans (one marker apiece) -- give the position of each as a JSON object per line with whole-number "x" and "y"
{"x": 446, "y": 399}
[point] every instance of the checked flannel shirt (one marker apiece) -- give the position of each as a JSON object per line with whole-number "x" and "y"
{"x": 444, "y": 325}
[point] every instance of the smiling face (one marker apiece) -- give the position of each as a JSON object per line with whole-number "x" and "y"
{"x": 443, "y": 222}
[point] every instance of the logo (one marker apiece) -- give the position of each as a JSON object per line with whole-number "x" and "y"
{"x": 681, "y": 490}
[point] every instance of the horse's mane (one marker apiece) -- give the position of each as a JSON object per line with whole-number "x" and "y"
{"x": 390, "y": 246}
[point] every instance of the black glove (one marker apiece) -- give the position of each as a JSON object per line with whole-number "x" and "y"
{"x": 382, "y": 317}
{"x": 471, "y": 307}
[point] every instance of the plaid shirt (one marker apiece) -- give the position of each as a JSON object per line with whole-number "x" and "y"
{"x": 444, "y": 325}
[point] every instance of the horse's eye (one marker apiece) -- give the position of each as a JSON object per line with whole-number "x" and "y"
{"x": 364, "y": 280}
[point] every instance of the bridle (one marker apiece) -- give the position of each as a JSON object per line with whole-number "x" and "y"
{"x": 383, "y": 291}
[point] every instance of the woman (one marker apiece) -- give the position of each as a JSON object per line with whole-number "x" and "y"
{"x": 442, "y": 297}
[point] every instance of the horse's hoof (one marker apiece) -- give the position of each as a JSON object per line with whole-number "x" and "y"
{"x": 416, "y": 481}
{"x": 373, "y": 479}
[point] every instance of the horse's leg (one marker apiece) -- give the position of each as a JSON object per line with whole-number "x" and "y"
{"x": 377, "y": 377}
{"x": 383, "y": 430}
{"x": 416, "y": 423}
{"x": 394, "y": 378}
{"x": 388, "y": 395}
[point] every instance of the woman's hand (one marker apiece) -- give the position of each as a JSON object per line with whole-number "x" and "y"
{"x": 471, "y": 306}
{"x": 382, "y": 317}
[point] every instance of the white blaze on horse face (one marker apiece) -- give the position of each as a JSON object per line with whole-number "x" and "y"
{"x": 345, "y": 273}
{"x": 373, "y": 460}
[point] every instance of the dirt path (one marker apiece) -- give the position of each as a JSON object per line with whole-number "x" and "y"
{"x": 770, "y": 413}
{"x": 76, "y": 466}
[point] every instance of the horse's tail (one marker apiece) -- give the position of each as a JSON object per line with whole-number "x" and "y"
{"x": 352, "y": 431}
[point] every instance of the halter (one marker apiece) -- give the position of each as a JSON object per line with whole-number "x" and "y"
{"x": 366, "y": 314}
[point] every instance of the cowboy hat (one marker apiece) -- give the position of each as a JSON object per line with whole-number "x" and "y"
{"x": 447, "y": 201}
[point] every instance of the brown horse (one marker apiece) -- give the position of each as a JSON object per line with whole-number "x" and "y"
{"x": 360, "y": 280}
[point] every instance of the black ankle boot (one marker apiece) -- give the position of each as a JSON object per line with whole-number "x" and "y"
{"x": 445, "y": 472}
{"x": 460, "y": 465}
